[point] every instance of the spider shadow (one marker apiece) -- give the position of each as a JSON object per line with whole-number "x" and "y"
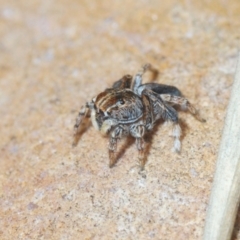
{"x": 86, "y": 124}
{"x": 149, "y": 137}
{"x": 129, "y": 141}
{"x": 184, "y": 127}
{"x": 154, "y": 74}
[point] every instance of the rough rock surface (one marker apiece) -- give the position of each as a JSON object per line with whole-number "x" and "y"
{"x": 56, "y": 55}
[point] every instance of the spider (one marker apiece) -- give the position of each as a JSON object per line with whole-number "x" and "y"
{"x": 132, "y": 108}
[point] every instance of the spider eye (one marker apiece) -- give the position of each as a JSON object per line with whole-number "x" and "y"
{"x": 121, "y": 101}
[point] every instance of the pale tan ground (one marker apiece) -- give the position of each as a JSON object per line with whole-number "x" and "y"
{"x": 56, "y": 55}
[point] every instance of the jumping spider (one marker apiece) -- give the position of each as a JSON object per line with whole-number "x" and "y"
{"x": 132, "y": 108}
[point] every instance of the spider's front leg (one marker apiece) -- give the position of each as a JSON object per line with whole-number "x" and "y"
{"x": 138, "y": 131}
{"x": 115, "y": 135}
{"x": 138, "y": 78}
{"x": 184, "y": 103}
{"x": 81, "y": 115}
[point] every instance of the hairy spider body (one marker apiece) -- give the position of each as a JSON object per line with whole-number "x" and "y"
{"x": 132, "y": 108}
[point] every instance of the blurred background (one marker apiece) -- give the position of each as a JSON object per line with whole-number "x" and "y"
{"x": 55, "y": 56}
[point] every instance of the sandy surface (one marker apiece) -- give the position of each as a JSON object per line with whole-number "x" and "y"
{"x": 55, "y": 56}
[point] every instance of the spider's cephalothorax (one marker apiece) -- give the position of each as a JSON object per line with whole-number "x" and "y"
{"x": 132, "y": 108}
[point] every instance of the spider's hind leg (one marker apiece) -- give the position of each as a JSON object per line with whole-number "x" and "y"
{"x": 184, "y": 103}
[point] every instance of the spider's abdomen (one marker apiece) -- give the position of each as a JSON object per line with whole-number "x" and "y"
{"x": 123, "y": 105}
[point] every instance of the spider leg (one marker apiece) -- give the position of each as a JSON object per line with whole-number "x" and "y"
{"x": 124, "y": 82}
{"x": 138, "y": 131}
{"x": 176, "y": 133}
{"x": 184, "y": 103}
{"x": 164, "y": 111}
{"x": 81, "y": 115}
{"x": 148, "y": 112}
{"x": 137, "y": 81}
{"x": 115, "y": 135}
{"x": 160, "y": 89}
